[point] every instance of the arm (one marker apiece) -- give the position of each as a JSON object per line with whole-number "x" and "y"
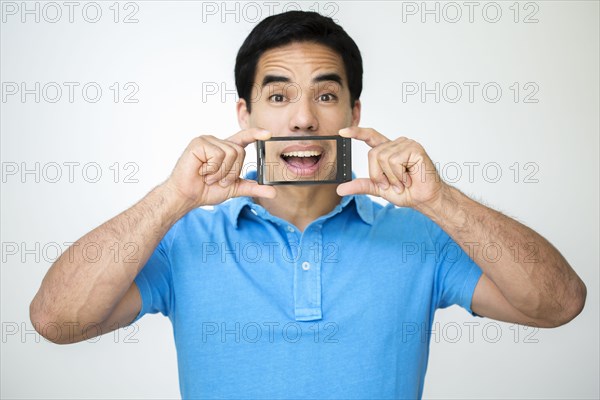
{"x": 79, "y": 294}
{"x": 545, "y": 293}
{"x": 525, "y": 279}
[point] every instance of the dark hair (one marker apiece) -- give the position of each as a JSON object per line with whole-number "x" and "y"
{"x": 296, "y": 26}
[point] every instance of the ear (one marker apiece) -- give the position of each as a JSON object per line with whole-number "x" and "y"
{"x": 356, "y": 113}
{"x": 242, "y": 114}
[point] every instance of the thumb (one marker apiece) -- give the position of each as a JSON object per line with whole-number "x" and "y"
{"x": 244, "y": 187}
{"x": 357, "y": 186}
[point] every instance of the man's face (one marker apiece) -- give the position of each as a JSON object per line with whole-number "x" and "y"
{"x": 300, "y": 89}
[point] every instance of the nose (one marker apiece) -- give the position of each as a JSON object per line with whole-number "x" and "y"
{"x": 304, "y": 118}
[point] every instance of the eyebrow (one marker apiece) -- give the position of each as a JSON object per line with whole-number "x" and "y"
{"x": 333, "y": 77}
{"x": 268, "y": 79}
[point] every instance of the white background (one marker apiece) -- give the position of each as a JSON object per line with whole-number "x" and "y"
{"x": 177, "y": 50}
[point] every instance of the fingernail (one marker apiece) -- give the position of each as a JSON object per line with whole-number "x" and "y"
{"x": 382, "y": 186}
{"x": 397, "y": 189}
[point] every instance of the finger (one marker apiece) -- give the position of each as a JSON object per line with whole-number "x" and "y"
{"x": 227, "y": 162}
{"x": 232, "y": 164}
{"x": 236, "y": 169}
{"x": 209, "y": 155}
{"x": 245, "y": 137}
{"x": 233, "y": 174}
{"x": 410, "y": 170}
{"x": 248, "y": 188}
{"x": 414, "y": 157}
{"x": 375, "y": 172}
{"x": 358, "y": 186}
{"x": 368, "y": 135}
{"x": 393, "y": 167}
{"x": 410, "y": 165}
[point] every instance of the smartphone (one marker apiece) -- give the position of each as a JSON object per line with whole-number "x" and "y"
{"x": 304, "y": 160}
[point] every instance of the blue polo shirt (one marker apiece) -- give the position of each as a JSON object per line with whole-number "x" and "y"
{"x": 341, "y": 310}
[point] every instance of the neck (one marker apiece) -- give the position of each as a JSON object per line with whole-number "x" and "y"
{"x": 300, "y": 205}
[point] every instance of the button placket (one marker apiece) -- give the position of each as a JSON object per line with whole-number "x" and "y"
{"x": 307, "y": 278}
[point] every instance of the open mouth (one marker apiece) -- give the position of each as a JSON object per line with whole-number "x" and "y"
{"x": 302, "y": 161}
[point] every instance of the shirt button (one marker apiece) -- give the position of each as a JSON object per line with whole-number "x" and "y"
{"x": 306, "y": 265}
{"x": 290, "y": 229}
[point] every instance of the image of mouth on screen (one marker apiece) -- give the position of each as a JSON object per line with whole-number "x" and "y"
{"x": 300, "y": 160}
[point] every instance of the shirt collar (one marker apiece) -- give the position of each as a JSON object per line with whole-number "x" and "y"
{"x": 364, "y": 205}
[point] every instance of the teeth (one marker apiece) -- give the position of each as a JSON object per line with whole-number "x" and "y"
{"x": 310, "y": 153}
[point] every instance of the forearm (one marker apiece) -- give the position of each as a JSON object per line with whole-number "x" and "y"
{"x": 531, "y": 273}
{"x": 86, "y": 282}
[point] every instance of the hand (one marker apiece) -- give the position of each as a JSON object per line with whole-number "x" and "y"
{"x": 400, "y": 171}
{"x": 208, "y": 171}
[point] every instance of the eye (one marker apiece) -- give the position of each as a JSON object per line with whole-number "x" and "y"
{"x": 328, "y": 97}
{"x": 276, "y": 98}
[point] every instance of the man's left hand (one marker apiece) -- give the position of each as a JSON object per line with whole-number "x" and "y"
{"x": 400, "y": 171}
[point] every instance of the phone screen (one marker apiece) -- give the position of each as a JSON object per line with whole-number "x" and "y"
{"x": 304, "y": 160}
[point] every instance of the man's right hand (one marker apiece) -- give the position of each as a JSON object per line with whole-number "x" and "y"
{"x": 208, "y": 171}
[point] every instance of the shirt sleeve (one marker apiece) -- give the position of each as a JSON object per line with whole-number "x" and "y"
{"x": 457, "y": 274}
{"x": 155, "y": 283}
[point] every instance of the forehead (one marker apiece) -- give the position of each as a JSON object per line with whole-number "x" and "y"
{"x": 300, "y": 57}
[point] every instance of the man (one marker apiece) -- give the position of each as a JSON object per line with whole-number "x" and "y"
{"x": 310, "y": 291}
